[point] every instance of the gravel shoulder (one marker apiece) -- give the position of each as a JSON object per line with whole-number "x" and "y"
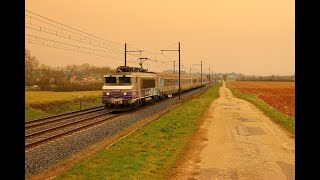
{"x": 237, "y": 141}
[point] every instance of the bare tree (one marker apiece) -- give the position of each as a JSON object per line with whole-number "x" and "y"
{"x": 85, "y": 69}
{"x": 31, "y": 67}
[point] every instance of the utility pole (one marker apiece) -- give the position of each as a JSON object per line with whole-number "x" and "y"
{"x": 213, "y": 78}
{"x": 209, "y": 76}
{"x": 201, "y": 74}
{"x": 179, "y": 69}
{"x": 201, "y": 71}
{"x": 80, "y": 98}
{"x": 179, "y": 74}
{"x": 174, "y": 67}
{"x": 125, "y": 53}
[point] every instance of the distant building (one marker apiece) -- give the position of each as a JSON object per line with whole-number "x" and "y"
{"x": 85, "y": 80}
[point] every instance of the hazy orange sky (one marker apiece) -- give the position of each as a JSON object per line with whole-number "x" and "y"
{"x": 245, "y": 36}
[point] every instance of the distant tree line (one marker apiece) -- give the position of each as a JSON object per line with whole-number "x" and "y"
{"x": 242, "y": 77}
{"x": 69, "y": 78}
{"x": 265, "y": 78}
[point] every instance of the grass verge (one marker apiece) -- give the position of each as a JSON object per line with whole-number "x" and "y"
{"x": 278, "y": 117}
{"x": 150, "y": 152}
{"x": 43, "y": 103}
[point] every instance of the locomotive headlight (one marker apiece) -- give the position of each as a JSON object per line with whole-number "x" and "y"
{"x": 107, "y": 94}
{"x": 124, "y": 94}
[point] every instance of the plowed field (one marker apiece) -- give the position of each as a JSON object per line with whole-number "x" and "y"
{"x": 280, "y": 95}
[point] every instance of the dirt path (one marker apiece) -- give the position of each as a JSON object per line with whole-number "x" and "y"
{"x": 237, "y": 141}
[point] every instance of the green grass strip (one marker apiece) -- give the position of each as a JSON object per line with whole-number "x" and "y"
{"x": 278, "y": 117}
{"x": 150, "y": 152}
{"x": 39, "y": 104}
{"x": 31, "y": 113}
{"x": 44, "y": 109}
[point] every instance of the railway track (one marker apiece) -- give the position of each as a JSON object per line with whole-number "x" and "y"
{"x": 42, "y": 121}
{"x": 38, "y": 138}
{"x": 49, "y": 129}
{"x": 46, "y": 129}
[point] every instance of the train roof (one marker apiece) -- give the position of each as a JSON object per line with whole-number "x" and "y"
{"x": 151, "y": 74}
{"x": 130, "y": 74}
{"x": 140, "y": 72}
{"x": 174, "y": 75}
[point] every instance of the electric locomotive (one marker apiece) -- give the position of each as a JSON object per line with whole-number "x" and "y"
{"x": 131, "y": 87}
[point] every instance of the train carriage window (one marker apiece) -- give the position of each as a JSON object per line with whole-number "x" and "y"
{"x": 148, "y": 83}
{"x": 111, "y": 80}
{"x": 124, "y": 80}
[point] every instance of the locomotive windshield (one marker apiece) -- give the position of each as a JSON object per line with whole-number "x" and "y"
{"x": 111, "y": 80}
{"x": 118, "y": 80}
{"x": 124, "y": 80}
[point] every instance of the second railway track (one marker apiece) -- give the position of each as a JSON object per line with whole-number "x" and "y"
{"x": 46, "y": 129}
{"x": 37, "y": 138}
{"x": 38, "y": 122}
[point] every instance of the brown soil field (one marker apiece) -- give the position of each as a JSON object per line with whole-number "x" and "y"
{"x": 280, "y": 95}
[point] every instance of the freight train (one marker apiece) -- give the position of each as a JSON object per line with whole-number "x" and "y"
{"x": 131, "y": 87}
